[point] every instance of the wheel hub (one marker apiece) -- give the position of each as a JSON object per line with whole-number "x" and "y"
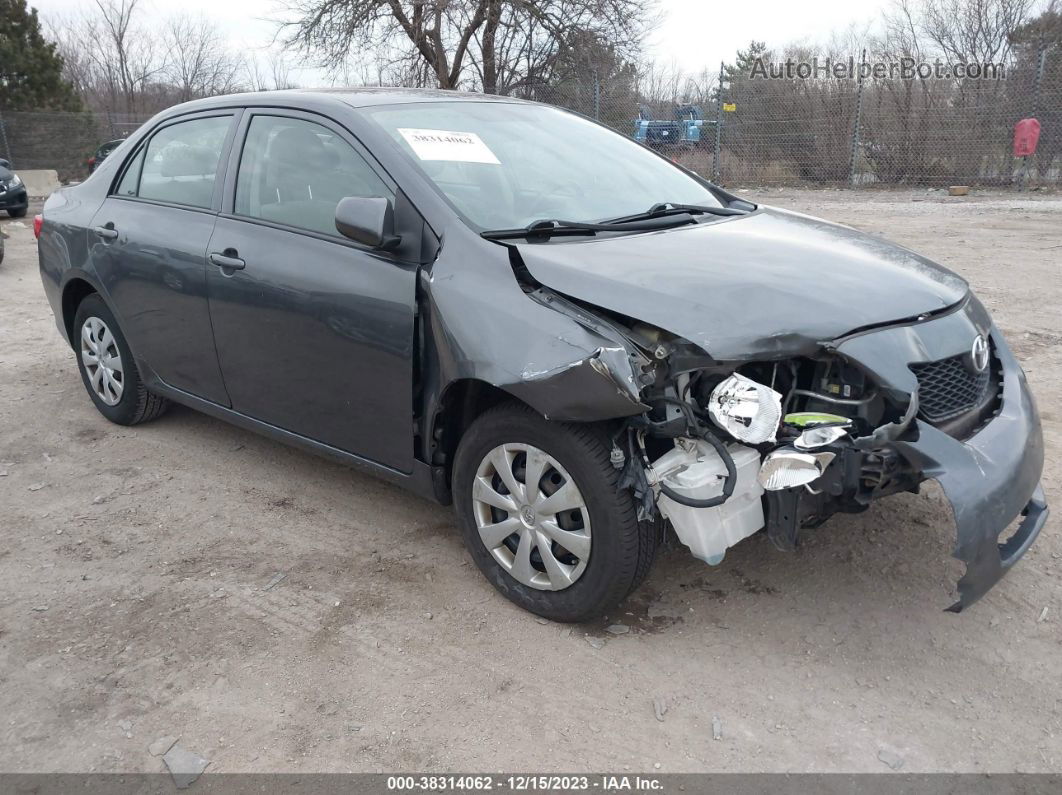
{"x": 531, "y": 516}
{"x": 102, "y": 361}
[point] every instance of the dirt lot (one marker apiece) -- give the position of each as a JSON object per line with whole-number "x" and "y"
{"x": 133, "y": 564}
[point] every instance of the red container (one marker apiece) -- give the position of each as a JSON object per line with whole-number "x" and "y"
{"x": 1026, "y": 135}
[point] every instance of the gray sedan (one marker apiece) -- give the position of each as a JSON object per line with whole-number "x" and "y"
{"x": 507, "y": 307}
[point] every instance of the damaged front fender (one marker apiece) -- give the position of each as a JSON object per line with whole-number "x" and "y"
{"x": 479, "y": 323}
{"x": 599, "y": 386}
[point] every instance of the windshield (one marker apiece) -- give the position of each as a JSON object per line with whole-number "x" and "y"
{"x": 505, "y": 165}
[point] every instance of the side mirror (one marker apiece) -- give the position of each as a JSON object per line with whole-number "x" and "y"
{"x": 369, "y": 221}
{"x": 5, "y": 163}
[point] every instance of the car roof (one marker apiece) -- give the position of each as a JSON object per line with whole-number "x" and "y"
{"x": 368, "y": 96}
{"x": 360, "y": 97}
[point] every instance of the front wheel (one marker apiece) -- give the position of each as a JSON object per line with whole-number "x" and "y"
{"x": 543, "y": 515}
{"x": 19, "y": 213}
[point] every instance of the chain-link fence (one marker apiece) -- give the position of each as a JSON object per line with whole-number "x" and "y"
{"x": 825, "y": 131}
{"x": 62, "y": 141}
{"x": 929, "y": 132}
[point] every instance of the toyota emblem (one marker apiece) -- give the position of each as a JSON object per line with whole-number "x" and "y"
{"x": 979, "y": 354}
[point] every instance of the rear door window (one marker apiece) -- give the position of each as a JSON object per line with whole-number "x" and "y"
{"x": 181, "y": 162}
{"x": 294, "y": 172}
{"x": 131, "y": 178}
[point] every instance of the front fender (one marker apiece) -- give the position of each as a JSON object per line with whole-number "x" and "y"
{"x": 482, "y": 325}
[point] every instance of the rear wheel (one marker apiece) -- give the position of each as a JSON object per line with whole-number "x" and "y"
{"x": 543, "y": 516}
{"x": 107, "y": 367}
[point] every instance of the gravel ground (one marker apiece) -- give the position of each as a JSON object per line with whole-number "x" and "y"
{"x": 134, "y": 566}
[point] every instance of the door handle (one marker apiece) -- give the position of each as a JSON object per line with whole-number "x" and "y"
{"x": 227, "y": 262}
{"x": 106, "y": 232}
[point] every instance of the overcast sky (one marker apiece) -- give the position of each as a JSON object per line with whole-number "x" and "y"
{"x": 694, "y": 34}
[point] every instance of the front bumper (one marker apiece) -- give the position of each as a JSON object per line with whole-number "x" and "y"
{"x": 991, "y": 478}
{"x": 14, "y": 199}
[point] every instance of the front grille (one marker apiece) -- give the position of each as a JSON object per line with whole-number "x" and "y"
{"x": 947, "y": 388}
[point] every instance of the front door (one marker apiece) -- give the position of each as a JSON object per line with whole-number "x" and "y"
{"x": 314, "y": 333}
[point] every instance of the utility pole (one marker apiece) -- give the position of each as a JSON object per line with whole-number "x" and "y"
{"x": 1041, "y": 65}
{"x": 3, "y": 140}
{"x": 716, "y": 164}
{"x": 858, "y": 121}
{"x": 597, "y": 97}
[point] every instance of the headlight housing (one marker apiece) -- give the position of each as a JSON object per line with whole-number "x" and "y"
{"x": 748, "y": 411}
{"x": 786, "y": 468}
{"x": 15, "y": 181}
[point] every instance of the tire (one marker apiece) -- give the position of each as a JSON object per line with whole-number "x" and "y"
{"x": 134, "y": 403}
{"x": 620, "y": 550}
{"x": 17, "y": 213}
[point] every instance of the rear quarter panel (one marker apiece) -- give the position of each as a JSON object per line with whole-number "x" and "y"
{"x": 64, "y": 248}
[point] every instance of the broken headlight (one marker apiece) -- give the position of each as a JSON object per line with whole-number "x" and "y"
{"x": 820, "y": 436}
{"x": 786, "y": 468}
{"x": 748, "y": 411}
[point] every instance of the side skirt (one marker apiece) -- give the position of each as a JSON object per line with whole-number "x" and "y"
{"x": 421, "y": 481}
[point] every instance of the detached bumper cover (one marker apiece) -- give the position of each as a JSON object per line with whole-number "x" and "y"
{"x": 991, "y": 478}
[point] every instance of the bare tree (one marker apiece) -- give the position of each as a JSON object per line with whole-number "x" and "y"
{"x": 198, "y": 63}
{"x": 127, "y": 55}
{"x": 267, "y": 71}
{"x": 530, "y": 42}
{"x": 109, "y": 56}
{"x": 495, "y": 45}
{"x": 78, "y": 65}
{"x": 438, "y": 31}
{"x": 973, "y": 31}
{"x": 912, "y": 125}
{"x": 121, "y": 65}
{"x": 660, "y": 85}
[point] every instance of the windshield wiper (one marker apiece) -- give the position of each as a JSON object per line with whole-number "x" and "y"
{"x": 662, "y": 215}
{"x": 665, "y": 209}
{"x": 552, "y": 227}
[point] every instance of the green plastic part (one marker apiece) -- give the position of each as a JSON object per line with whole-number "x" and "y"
{"x": 807, "y": 419}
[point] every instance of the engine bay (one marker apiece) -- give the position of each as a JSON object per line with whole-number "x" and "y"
{"x": 727, "y": 450}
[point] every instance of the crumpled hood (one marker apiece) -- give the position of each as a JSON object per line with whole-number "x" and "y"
{"x": 770, "y": 283}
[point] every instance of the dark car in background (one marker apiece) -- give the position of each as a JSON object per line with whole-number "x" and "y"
{"x": 506, "y": 306}
{"x": 12, "y": 192}
{"x": 101, "y": 154}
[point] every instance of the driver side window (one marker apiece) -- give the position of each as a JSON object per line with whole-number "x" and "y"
{"x": 294, "y": 172}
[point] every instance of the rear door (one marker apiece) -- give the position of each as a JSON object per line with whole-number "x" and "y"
{"x": 149, "y": 242}
{"x": 314, "y": 332}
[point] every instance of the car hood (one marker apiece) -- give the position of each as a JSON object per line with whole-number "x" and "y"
{"x": 767, "y": 284}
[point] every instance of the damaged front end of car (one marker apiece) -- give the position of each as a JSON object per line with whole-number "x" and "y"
{"x": 725, "y": 449}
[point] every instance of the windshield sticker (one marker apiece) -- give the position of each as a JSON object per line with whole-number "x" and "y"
{"x": 461, "y": 147}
